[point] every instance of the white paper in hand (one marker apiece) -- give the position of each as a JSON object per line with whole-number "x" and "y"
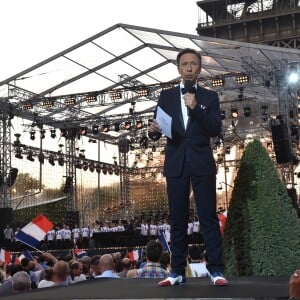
{"x": 164, "y": 121}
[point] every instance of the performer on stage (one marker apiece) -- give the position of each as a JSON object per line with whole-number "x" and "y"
{"x": 189, "y": 160}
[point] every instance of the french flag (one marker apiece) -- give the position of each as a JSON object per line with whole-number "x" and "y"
{"x": 5, "y": 256}
{"x": 24, "y": 254}
{"x": 135, "y": 255}
{"x": 35, "y": 231}
{"x": 80, "y": 253}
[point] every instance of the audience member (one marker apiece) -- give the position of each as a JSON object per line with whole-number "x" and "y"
{"x": 48, "y": 278}
{"x": 107, "y": 267}
{"x": 95, "y": 266}
{"x": 21, "y": 282}
{"x": 6, "y": 287}
{"x": 126, "y": 266}
{"x": 152, "y": 268}
{"x": 294, "y": 285}
{"x": 60, "y": 273}
{"x": 197, "y": 262}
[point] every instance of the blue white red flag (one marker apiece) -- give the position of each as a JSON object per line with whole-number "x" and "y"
{"x": 135, "y": 255}
{"x": 35, "y": 231}
{"x": 5, "y": 256}
{"x": 24, "y": 254}
{"x": 162, "y": 238}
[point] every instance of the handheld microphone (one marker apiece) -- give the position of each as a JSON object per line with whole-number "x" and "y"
{"x": 189, "y": 88}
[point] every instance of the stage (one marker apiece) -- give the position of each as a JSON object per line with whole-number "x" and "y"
{"x": 195, "y": 288}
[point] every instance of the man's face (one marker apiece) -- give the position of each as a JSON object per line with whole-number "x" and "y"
{"x": 189, "y": 67}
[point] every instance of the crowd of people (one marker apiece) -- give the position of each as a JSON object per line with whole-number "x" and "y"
{"x": 48, "y": 270}
{"x": 102, "y": 234}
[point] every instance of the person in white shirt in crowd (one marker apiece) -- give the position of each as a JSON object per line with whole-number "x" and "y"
{"x": 67, "y": 237}
{"x": 190, "y": 229}
{"x": 59, "y": 237}
{"x": 197, "y": 262}
{"x": 85, "y": 237}
{"x": 50, "y": 239}
{"x": 76, "y": 234}
{"x": 144, "y": 231}
{"x": 153, "y": 229}
{"x": 167, "y": 230}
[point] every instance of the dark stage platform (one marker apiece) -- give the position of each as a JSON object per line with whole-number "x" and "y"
{"x": 195, "y": 288}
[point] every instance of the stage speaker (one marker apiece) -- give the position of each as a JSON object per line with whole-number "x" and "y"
{"x": 12, "y": 176}
{"x": 6, "y": 218}
{"x": 281, "y": 143}
{"x": 68, "y": 185}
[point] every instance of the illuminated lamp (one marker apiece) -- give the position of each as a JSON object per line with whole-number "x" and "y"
{"x": 218, "y": 82}
{"x": 139, "y": 124}
{"x": 128, "y": 125}
{"x": 91, "y": 98}
{"x": 234, "y": 113}
{"x": 105, "y": 127}
{"x": 70, "y": 101}
{"x": 243, "y": 78}
{"x": 27, "y": 106}
{"x": 83, "y": 130}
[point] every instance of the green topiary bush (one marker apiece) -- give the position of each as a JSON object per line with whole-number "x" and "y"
{"x": 262, "y": 232}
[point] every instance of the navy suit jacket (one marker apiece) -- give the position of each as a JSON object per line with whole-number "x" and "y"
{"x": 193, "y": 143}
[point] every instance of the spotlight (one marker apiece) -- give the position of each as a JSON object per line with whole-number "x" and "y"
{"x": 17, "y": 141}
{"x": 241, "y": 93}
{"x": 139, "y": 124}
{"x": 91, "y": 98}
{"x": 32, "y": 135}
{"x": 70, "y": 101}
{"x": 92, "y": 166}
{"x": 53, "y": 133}
{"x": 85, "y": 166}
{"x": 98, "y": 168}
{"x": 48, "y": 103}
{"x": 105, "y": 127}
{"x": 142, "y": 92}
{"x": 30, "y": 156}
{"x": 61, "y": 160}
{"x": 223, "y": 115}
{"x": 115, "y": 95}
{"x": 78, "y": 164}
{"x": 95, "y": 129}
{"x": 104, "y": 169}
{"x": 293, "y": 72}
{"x": 51, "y": 159}
{"x": 234, "y": 113}
{"x": 117, "y": 126}
{"x": 243, "y": 78}
{"x": 19, "y": 153}
{"x": 83, "y": 130}
{"x": 128, "y": 125}
{"x": 247, "y": 111}
{"x": 27, "y": 106}
{"x": 218, "y": 82}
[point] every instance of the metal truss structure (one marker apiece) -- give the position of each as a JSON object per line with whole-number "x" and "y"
{"x": 115, "y": 77}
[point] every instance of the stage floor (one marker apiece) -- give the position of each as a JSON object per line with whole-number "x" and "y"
{"x": 195, "y": 288}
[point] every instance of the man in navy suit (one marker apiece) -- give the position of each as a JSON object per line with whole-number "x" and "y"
{"x": 189, "y": 161}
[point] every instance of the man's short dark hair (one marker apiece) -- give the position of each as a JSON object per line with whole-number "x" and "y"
{"x": 154, "y": 249}
{"x": 188, "y": 50}
{"x": 195, "y": 252}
